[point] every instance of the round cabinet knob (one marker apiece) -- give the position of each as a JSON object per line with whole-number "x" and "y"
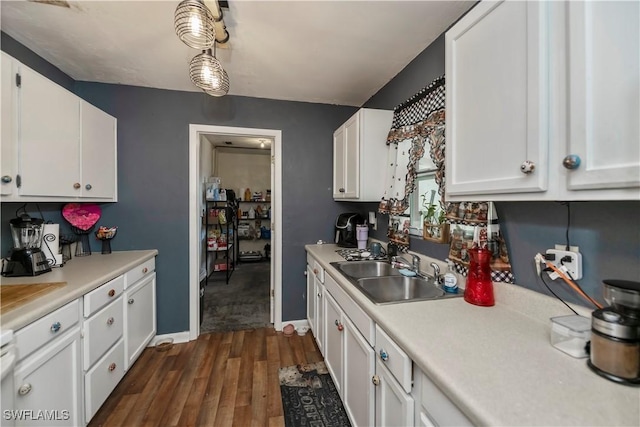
{"x": 315, "y": 271}
{"x": 375, "y": 380}
{"x": 571, "y": 162}
{"x": 384, "y": 355}
{"x": 88, "y": 187}
{"x": 112, "y": 292}
{"x": 55, "y": 327}
{"x": 6, "y": 179}
{"x": 110, "y": 321}
{"x": 24, "y": 389}
{"x": 112, "y": 367}
{"x": 131, "y": 301}
{"x": 527, "y": 167}
{"x": 76, "y": 185}
{"x": 145, "y": 270}
{"x": 341, "y": 190}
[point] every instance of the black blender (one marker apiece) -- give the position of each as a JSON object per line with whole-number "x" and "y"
{"x": 26, "y": 257}
{"x": 615, "y": 333}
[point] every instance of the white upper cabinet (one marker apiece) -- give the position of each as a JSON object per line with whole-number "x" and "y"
{"x": 496, "y": 97}
{"x": 98, "y": 174}
{"x": 543, "y": 102}
{"x": 55, "y": 146}
{"x": 359, "y": 156}
{"x": 49, "y": 137}
{"x": 604, "y": 87}
{"x": 9, "y": 141}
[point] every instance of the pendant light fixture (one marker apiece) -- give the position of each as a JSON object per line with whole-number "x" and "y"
{"x": 207, "y": 73}
{"x": 194, "y": 24}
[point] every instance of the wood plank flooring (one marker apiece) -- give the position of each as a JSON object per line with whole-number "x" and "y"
{"x": 220, "y": 379}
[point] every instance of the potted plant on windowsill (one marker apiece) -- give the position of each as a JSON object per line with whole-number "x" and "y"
{"x": 434, "y": 227}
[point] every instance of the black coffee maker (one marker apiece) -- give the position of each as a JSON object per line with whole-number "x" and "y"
{"x": 26, "y": 257}
{"x": 346, "y": 229}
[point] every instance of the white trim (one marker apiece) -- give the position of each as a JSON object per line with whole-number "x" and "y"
{"x": 178, "y": 337}
{"x": 194, "y": 224}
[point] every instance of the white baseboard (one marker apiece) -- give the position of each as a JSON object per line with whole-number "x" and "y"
{"x": 178, "y": 337}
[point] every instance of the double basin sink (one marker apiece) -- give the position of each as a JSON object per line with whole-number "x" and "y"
{"x": 383, "y": 284}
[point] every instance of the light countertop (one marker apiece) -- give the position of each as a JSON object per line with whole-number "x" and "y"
{"x": 82, "y": 274}
{"x": 497, "y": 363}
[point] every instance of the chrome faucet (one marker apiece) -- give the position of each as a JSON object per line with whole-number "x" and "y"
{"x": 436, "y": 273}
{"x": 399, "y": 262}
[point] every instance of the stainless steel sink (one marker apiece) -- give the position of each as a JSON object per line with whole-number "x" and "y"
{"x": 390, "y": 289}
{"x": 383, "y": 284}
{"x": 360, "y": 269}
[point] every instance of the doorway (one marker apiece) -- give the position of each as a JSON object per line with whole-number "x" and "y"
{"x": 198, "y": 169}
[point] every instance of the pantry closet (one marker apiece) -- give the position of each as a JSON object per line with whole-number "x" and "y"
{"x": 241, "y": 164}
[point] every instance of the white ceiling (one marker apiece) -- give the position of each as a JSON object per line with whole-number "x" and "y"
{"x": 334, "y": 52}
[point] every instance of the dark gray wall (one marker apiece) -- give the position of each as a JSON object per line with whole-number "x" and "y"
{"x": 608, "y": 233}
{"x": 153, "y": 178}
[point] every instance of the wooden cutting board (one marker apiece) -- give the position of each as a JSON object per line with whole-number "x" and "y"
{"x": 13, "y": 296}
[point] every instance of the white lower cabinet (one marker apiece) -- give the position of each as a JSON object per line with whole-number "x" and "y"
{"x": 334, "y": 342}
{"x": 434, "y": 407}
{"x": 359, "y": 369}
{"x": 394, "y": 407}
{"x": 139, "y": 317}
{"x": 48, "y": 384}
{"x": 315, "y": 303}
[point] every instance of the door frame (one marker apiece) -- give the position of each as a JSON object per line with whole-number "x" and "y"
{"x": 195, "y": 131}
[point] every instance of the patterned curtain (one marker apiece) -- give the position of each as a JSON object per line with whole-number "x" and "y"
{"x": 414, "y": 123}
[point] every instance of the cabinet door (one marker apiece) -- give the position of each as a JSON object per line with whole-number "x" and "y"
{"x": 338, "y": 163}
{"x": 140, "y": 318}
{"x": 319, "y": 333}
{"x": 497, "y": 98}
{"x": 334, "y": 333}
{"x": 311, "y": 300}
{"x": 98, "y": 153}
{"x": 359, "y": 368}
{"x": 604, "y": 100}
{"x": 394, "y": 407}
{"x": 49, "y": 138}
{"x": 8, "y": 159}
{"x": 352, "y": 157}
{"x": 50, "y": 381}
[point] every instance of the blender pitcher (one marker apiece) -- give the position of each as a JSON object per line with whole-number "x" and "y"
{"x": 479, "y": 289}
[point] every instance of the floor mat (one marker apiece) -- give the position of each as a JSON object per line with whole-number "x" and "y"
{"x": 310, "y": 398}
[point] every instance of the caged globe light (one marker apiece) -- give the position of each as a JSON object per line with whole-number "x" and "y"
{"x": 194, "y": 24}
{"x": 207, "y": 73}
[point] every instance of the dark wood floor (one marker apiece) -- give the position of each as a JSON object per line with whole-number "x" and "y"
{"x": 220, "y": 379}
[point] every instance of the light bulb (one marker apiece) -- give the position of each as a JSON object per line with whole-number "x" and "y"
{"x": 195, "y": 24}
{"x": 261, "y": 144}
{"x": 207, "y": 75}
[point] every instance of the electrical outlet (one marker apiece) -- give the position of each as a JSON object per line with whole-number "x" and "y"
{"x": 573, "y": 262}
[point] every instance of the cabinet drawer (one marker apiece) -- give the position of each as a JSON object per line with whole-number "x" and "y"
{"x": 358, "y": 317}
{"x": 102, "y": 330}
{"x": 137, "y": 273}
{"x": 394, "y": 358}
{"x": 47, "y": 328}
{"x": 106, "y": 293}
{"x": 100, "y": 381}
